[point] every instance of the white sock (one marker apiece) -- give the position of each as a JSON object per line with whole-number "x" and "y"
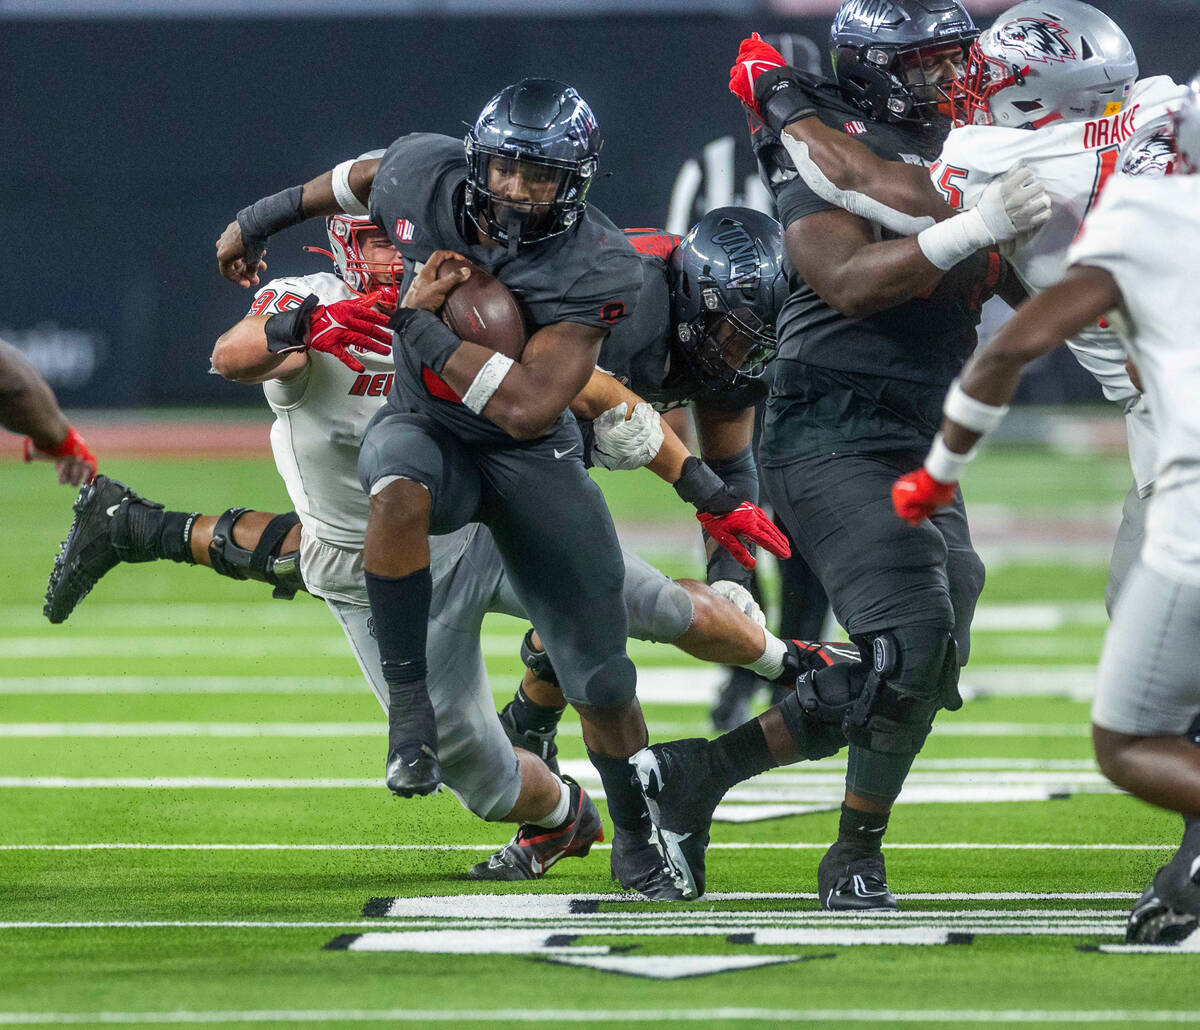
{"x": 770, "y": 665}
{"x": 560, "y": 811}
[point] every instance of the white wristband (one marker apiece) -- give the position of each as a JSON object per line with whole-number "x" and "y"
{"x": 945, "y": 465}
{"x": 955, "y": 239}
{"x": 342, "y": 192}
{"x": 486, "y": 382}
{"x": 970, "y": 413}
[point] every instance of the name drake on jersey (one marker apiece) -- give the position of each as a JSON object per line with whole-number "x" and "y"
{"x": 1117, "y": 128}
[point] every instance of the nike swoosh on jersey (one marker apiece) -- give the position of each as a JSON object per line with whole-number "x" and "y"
{"x": 111, "y": 510}
{"x": 563, "y": 454}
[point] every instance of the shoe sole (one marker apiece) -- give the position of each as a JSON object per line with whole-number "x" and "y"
{"x": 668, "y": 842}
{"x": 67, "y": 578}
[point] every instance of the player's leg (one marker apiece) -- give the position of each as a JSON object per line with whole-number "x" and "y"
{"x": 1141, "y": 722}
{"x": 113, "y": 524}
{"x": 560, "y": 552}
{"x": 419, "y": 479}
{"x": 886, "y": 699}
{"x": 1131, "y": 534}
{"x": 686, "y": 613}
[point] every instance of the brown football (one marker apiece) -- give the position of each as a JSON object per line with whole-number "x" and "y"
{"x": 483, "y": 310}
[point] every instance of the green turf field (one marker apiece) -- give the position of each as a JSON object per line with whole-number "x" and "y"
{"x": 191, "y": 814}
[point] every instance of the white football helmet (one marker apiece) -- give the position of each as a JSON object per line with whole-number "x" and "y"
{"x": 1045, "y": 61}
{"x": 352, "y": 268}
{"x": 1150, "y": 150}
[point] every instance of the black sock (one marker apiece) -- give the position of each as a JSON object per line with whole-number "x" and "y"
{"x": 740, "y": 754}
{"x": 626, "y": 805}
{"x": 862, "y": 830}
{"x": 400, "y": 610}
{"x": 145, "y": 532}
{"x": 530, "y": 717}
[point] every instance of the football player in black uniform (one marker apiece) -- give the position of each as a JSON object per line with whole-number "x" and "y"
{"x": 469, "y": 434}
{"x": 874, "y": 329}
{"x": 703, "y": 333}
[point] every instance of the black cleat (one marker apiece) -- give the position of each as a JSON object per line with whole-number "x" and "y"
{"x": 637, "y": 864}
{"x": 90, "y": 549}
{"x": 1157, "y": 920}
{"x": 677, "y": 783}
{"x": 412, "y": 770}
{"x": 534, "y": 849}
{"x": 851, "y": 881}
{"x": 541, "y": 744}
{"x": 734, "y": 698}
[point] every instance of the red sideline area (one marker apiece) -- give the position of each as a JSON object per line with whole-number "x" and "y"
{"x": 164, "y": 438}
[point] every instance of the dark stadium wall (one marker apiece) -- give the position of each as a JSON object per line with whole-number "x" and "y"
{"x": 129, "y": 146}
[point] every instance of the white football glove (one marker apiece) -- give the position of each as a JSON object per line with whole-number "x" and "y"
{"x": 1013, "y": 205}
{"x": 622, "y": 443}
{"x": 741, "y": 598}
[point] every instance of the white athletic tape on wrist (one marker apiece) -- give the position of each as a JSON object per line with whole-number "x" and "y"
{"x": 945, "y": 465}
{"x": 970, "y": 413}
{"x": 342, "y": 192}
{"x": 955, "y": 239}
{"x": 486, "y": 382}
{"x": 850, "y": 200}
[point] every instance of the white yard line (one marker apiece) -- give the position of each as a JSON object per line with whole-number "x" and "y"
{"x": 716, "y": 846}
{"x": 517, "y": 1017}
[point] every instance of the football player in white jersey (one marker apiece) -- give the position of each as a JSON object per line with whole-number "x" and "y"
{"x": 1134, "y": 263}
{"x": 323, "y": 398}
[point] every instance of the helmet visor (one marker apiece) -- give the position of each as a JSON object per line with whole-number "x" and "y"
{"x": 737, "y": 342}
{"x": 930, "y": 72}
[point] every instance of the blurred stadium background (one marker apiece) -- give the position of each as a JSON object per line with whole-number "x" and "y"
{"x": 135, "y": 129}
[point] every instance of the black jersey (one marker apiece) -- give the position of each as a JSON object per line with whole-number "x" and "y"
{"x": 641, "y": 353}
{"x": 925, "y": 339}
{"x": 590, "y": 274}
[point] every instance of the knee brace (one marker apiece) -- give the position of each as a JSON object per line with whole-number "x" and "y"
{"x": 816, "y": 710}
{"x": 264, "y": 563}
{"x": 914, "y": 673}
{"x": 537, "y": 662}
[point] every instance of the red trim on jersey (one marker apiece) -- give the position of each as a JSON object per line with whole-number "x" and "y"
{"x": 437, "y": 386}
{"x": 652, "y": 241}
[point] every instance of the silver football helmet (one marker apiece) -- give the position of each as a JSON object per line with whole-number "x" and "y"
{"x": 1150, "y": 150}
{"x": 349, "y": 264}
{"x": 1044, "y": 61}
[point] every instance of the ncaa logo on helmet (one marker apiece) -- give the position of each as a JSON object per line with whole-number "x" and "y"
{"x": 1035, "y": 39}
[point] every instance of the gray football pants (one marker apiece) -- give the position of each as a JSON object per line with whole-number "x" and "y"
{"x": 469, "y": 580}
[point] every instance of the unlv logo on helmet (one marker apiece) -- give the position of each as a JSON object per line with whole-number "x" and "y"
{"x": 1036, "y": 39}
{"x": 873, "y": 13}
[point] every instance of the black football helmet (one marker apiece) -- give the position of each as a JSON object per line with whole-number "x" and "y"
{"x": 532, "y": 155}
{"x": 727, "y": 286}
{"x": 880, "y": 47}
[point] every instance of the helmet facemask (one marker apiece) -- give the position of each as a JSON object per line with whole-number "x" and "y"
{"x": 520, "y": 198}
{"x": 727, "y": 346}
{"x": 363, "y": 276}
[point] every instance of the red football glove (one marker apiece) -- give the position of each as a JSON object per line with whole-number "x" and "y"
{"x": 74, "y": 459}
{"x": 918, "y": 495}
{"x": 754, "y": 57}
{"x": 333, "y": 328}
{"x": 750, "y": 523}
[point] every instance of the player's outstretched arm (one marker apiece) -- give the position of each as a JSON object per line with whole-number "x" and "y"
{"x": 28, "y": 406}
{"x": 241, "y": 356}
{"x": 838, "y": 168}
{"x": 243, "y": 245}
{"x": 978, "y": 400}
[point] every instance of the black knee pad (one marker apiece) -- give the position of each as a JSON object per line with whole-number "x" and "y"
{"x": 537, "y": 662}
{"x": 914, "y": 673}
{"x": 815, "y": 711}
{"x": 264, "y": 563}
{"x": 612, "y": 686}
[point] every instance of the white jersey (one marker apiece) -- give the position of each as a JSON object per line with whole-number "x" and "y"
{"x": 320, "y": 417}
{"x": 1074, "y": 160}
{"x": 1146, "y": 234}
